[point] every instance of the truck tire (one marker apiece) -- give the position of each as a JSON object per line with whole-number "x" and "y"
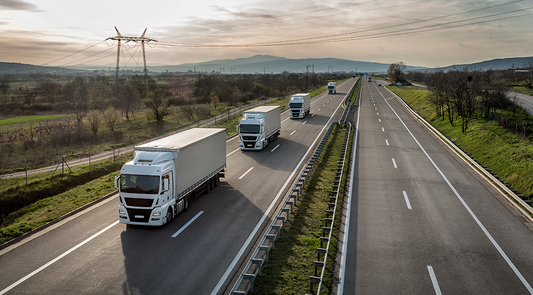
{"x": 169, "y": 216}
{"x": 186, "y": 203}
{"x": 208, "y": 186}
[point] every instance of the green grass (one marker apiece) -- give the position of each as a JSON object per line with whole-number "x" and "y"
{"x": 51, "y": 198}
{"x": 26, "y": 119}
{"x": 291, "y": 261}
{"x": 505, "y": 154}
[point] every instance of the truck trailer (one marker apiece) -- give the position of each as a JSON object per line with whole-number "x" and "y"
{"x": 165, "y": 173}
{"x": 299, "y": 105}
{"x": 258, "y": 127}
{"x": 332, "y": 87}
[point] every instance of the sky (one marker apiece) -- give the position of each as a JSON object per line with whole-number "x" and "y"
{"x": 429, "y": 33}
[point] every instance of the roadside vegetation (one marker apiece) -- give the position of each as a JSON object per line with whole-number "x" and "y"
{"x": 494, "y": 142}
{"x": 290, "y": 262}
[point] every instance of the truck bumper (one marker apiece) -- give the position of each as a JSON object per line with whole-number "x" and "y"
{"x": 141, "y": 216}
{"x": 251, "y": 147}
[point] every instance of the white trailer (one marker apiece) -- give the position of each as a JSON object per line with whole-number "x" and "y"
{"x": 332, "y": 87}
{"x": 258, "y": 127}
{"x": 167, "y": 172}
{"x": 300, "y": 105}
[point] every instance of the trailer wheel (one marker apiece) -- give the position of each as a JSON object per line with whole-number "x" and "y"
{"x": 216, "y": 180}
{"x": 169, "y": 216}
{"x": 208, "y": 186}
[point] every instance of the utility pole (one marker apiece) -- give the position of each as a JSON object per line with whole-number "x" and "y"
{"x": 141, "y": 39}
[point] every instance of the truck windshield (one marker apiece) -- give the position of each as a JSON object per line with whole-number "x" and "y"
{"x": 140, "y": 184}
{"x": 331, "y": 87}
{"x": 295, "y": 105}
{"x": 248, "y": 128}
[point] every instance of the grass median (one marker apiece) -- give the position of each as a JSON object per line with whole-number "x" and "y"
{"x": 291, "y": 261}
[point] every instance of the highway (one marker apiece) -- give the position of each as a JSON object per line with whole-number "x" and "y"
{"x": 421, "y": 221}
{"x": 198, "y": 253}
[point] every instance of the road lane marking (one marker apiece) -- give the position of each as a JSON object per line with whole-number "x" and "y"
{"x": 285, "y": 120}
{"x": 231, "y": 153}
{"x": 312, "y": 115}
{"x": 187, "y": 224}
{"x": 407, "y": 200}
{"x": 394, "y": 162}
{"x": 246, "y": 173}
{"x": 292, "y": 133}
{"x": 267, "y": 212}
{"x": 434, "y": 280}
{"x": 378, "y": 114}
{"x": 275, "y": 148}
{"x": 376, "y": 109}
{"x": 318, "y": 110}
{"x": 387, "y": 142}
{"x": 485, "y": 231}
{"x": 57, "y": 258}
{"x": 304, "y": 122}
{"x": 324, "y": 105}
{"x": 379, "y": 120}
{"x": 382, "y": 129}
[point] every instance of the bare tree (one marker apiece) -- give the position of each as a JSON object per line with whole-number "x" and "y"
{"x": 157, "y": 104}
{"x": 76, "y": 97}
{"x": 128, "y": 99}
{"x": 94, "y": 118}
{"x": 111, "y": 117}
{"x": 397, "y": 71}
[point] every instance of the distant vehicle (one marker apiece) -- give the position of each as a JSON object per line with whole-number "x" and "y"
{"x": 165, "y": 173}
{"x": 369, "y": 78}
{"x": 258, "y": 127}
{"x": 379, "y": 84}
{"x": 332, "y": 87}
{"x": 299, "y": 105}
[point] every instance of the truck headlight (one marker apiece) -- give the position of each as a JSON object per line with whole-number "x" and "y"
{"x": 157, "y": 213}
{"x": 121, "y": 211}
{"x": 258, "y": 143}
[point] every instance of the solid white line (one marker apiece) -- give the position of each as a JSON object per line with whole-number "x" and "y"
{"x": 485, "y": 231}
{"x": 267, "y": 212}
{"x": 292, "y": 133}
{"x": 57, "y": 258}
{"x": 187, "y": 224}
{"x": 275, "y": 148}
{"x": 231, "y": 153}
{"x": 304, "y": 122}
{"x": 407, "y": 200}
{"x": 344, "y": 240}
{"x": 394, "y": 162}
{"x": 387, "y": 142}
{"x": 246, "y": 173}
{"x": 434, "y": 280}
{"x": 285, "y": 120}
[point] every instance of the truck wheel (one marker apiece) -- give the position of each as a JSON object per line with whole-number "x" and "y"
{"x": 208, "y": 186}
{"x": 216, "y": 180}
{"x": 169, "y": 216}
{"x": 186, "y": 203}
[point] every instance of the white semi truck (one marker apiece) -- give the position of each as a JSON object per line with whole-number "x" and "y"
{"x": 258, "y": 127}
{"x": 332, "y": 87}
{"x": 299, "y": 105}
{"x": 167, "y": 172}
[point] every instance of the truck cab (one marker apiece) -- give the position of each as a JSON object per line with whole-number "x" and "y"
{"x": 252, "y": 132}
{"x": 332, "y": 88}
{"x": 146, "y": 189}
{"x": 299, "y": 105}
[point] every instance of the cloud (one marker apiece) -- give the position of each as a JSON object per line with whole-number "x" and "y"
{"x": 19, "y": 5}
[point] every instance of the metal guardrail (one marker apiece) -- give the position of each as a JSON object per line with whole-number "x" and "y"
{"x": 245, "y": 282}
{"x": 330, "y": 218}
{"x": 347, "y": 109}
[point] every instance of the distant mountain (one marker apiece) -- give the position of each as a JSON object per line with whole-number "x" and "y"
{"x": 274, "y": 64}
{"x": 494, "y": 64}
{"x": 20, "y": 68}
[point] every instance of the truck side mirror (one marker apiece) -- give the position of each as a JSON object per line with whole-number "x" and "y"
{"x": 117, "y": 178}
{"x": 237, "y": 128}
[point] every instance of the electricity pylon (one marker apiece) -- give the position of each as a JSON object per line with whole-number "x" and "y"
{"x": 141, "y": 39}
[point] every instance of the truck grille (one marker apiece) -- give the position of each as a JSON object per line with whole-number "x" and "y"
{"x": 139, "y": 202}
{"x": 249, "y": 137}
{"x": 296, "y": 113}
{"x": 139, "y": 215}
{"x": 249, "y": 144}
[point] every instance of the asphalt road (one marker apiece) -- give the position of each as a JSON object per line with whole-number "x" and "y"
{"x": 421, "y": 221}
{"x": 198, "y": 253}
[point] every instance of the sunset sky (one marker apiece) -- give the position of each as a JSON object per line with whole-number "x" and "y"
{"x": 429, "y": 33}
